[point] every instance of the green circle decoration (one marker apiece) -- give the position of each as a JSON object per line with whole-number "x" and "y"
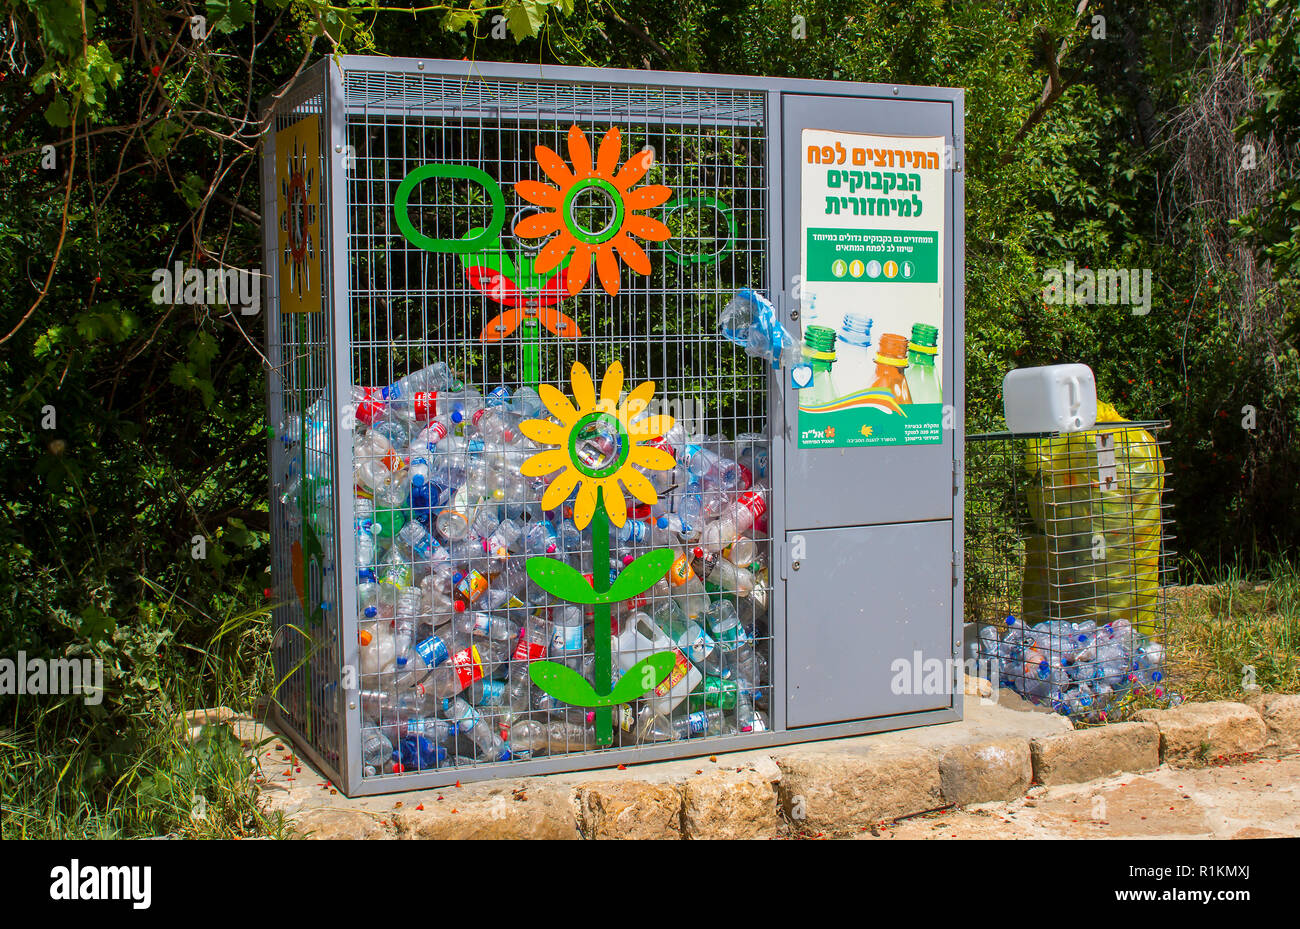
{"x": 681, "y": 203}
{"x": 488, "y": 237}
{"x": 582, "y": 233}
{"x": 624, "y": 446}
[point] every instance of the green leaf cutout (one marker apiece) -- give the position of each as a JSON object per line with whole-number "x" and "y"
{"x": 633, "y": 682}
{"x": 491, "y": 255}
{"x": 564, "y": 684}
{"x": 568, "y": 686}
{"x": 640, "y": 575}
{"x": 560, "y": 580}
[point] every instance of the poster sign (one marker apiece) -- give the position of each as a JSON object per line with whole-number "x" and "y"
{"x": 297, "y": 182}
{"x": 871, "y": 298}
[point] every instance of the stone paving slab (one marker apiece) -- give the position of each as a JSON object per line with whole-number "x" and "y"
{"x": 1256, "y": 799}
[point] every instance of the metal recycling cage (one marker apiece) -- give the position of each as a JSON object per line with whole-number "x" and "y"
{"x": 863, "y": 534}
{"x": 1071, "y": 531}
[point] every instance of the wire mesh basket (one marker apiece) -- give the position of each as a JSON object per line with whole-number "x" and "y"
{"x": 1067, "y": 561}
{"x": 435, "y": 162}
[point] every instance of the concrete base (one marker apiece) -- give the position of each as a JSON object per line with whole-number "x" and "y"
{"x": 843, "y": 786}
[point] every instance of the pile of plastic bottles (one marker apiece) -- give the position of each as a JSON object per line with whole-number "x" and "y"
{"x": 1075, "y": 667}
{"x": 449, "y": 621}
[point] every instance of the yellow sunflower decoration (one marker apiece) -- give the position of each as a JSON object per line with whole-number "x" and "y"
{"x": 599, "y": 445}
{"x": 603, "y": 179}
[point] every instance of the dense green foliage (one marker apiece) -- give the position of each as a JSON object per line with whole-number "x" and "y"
{"x": 133, "y": 428}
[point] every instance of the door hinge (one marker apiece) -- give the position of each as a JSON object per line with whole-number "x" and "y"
{"x": 958, "y": 566}
{"x": 784, "y": 558}
{"x": 957, "y": 473}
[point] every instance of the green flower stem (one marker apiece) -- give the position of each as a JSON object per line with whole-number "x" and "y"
{"x": 600, "y": 580}
{"x": 532, "y": 353}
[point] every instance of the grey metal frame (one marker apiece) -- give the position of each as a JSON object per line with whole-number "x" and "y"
{"x": 329, "y": 74}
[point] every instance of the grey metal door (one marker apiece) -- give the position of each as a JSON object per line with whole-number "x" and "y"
{"x": 880, "y": 484}
{"x": 870, "y": 630}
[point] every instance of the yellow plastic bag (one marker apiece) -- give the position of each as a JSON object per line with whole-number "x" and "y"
{"x": 1094, "y": 496}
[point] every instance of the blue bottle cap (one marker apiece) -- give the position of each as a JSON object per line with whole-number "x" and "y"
{"x": 663, "y": 522}
{"x": 371, "y": 612}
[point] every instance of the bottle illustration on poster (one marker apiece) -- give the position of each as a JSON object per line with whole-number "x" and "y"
{"x": 871, "y": 225}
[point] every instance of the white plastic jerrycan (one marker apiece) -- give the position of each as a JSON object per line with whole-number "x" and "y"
{"x": 641, "y": 639}
{"x": 1053, "y": 398}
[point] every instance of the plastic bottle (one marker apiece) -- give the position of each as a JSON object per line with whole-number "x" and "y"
{"x": 528, "y": 739}
{"x": 735, "y": 645}
{"x": 376, "y": 751}
{"x": 418, "y": 753}
{"x": 689, "y": 634}
{"x": 471, "y": 725}
{"x": 532, "y": 645}
{"x": 722, "y": 575}
{"x": 566, "y": 635}
{"x": 710, "y": 467}
{"x": 374, "y": 460}
{"x": 707, "y": 722}
{"x": 683, "y": 586}
{"x": 540, "y": 538}
{"x": 497, "y": 425}
{"x": 377, "y": 652}
{"x": 736, "y": 519}
{"x": 527, "y": 403}
{"x": 670, "y": 530}
{"x": 450, "y": 677}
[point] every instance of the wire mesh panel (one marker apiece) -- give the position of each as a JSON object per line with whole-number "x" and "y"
{"x": 300, "y": 348}
{"x": 452, "y": 342}
{"x": 1066, "y": 561}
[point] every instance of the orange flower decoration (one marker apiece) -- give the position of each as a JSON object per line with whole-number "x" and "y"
{"x": 605, "y": 245}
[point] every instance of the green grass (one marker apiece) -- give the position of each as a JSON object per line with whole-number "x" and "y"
{"x": 1219, "y": 631}
{"x": 69, "y": 770}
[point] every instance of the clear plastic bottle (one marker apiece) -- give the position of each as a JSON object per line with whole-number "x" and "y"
{"x": 374, "y": 460}
{"x": 735, "y": 645}
{"x": 528, "y": 739}
{"x": 566, "y": 635}
{"x": 683, "y": 586}
{"x": 376, "y": 751}
{"x": 711, "y": 468}
{"x": 737, "y": 519}
{"x": 471, "y": 725}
